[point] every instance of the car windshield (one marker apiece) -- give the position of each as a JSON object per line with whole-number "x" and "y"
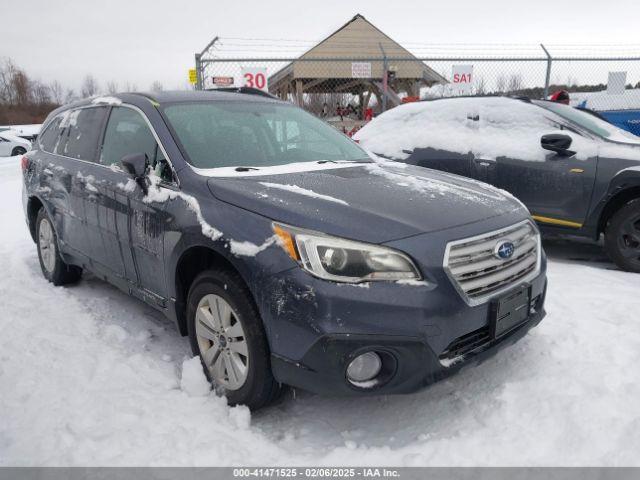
{"x": 255, "y": 134}
{"x": 590, "y": 122}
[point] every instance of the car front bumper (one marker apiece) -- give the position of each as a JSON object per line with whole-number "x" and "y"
{"x": 316, "y": 328}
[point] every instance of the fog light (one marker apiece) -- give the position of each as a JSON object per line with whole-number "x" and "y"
{"x": 364, "y": 367}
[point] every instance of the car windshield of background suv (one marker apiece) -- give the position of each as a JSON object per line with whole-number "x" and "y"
{"x": 230, "y": 134}
{"x": 590, "y": 123}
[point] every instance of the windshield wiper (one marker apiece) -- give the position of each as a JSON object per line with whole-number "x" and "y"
{"x": 344, "y": 161}
{"x": 245, "y": 169}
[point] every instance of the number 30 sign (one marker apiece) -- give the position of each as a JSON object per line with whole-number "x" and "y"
{"x": 255, "y": 77}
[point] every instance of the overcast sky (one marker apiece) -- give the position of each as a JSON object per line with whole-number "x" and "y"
{"x": 140, "y": 41}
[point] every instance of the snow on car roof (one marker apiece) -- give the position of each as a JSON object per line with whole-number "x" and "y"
{"x": 454, "y": 125}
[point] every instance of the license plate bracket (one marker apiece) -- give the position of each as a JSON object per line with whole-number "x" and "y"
{"x": 509, "y": 311}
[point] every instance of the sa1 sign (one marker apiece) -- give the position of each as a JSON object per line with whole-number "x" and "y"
{"x": 255, "y": 77}
{"x": 462, "y": 78}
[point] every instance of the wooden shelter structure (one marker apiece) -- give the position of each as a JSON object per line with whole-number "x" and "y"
{"x": 353, "y": 60}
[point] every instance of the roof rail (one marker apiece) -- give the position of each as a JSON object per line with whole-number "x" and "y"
{"x": 522, "y": 98}
{"x": 247, "y": 90}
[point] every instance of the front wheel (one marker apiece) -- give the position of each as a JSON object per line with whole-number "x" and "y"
{"x": 53, "y": 267}
{"x": 622, "y": 238}
{"x": 225, "y": 330}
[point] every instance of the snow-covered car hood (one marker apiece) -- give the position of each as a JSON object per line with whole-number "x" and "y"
{"x": 369, "y": 202}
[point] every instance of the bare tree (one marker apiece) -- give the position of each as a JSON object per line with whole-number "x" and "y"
{"x": 515, "y": 83}
{"x": 112, "y": 87}
{"x": 157, "y": 86}
{"x": 481, "y": 86}
{"x": 57, "y": 92}
{"x": 130, "y": 87}
{"x": 89, "y": 86}
{"x": 41, "y": 93}
{"x": 501, "y": 84}
{"x": 70, "y": 96}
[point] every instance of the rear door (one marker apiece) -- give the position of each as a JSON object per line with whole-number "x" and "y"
{"x": 138, "y": 225}
{"x": 461, "y": 122}
{"x": 90, "y": 200}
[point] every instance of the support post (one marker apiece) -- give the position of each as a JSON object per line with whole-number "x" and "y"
{"x": 385, "y": 78}
{"x": 548, "y": 77}
{"x": 198, "y": 72}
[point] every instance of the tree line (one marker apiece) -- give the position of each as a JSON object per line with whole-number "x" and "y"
{"x": 25, "y": 100}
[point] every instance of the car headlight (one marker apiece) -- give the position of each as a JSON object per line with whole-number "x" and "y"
{"x": 341, "y": 260}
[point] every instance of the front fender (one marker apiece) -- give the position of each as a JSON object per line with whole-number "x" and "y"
{"x": 622, "y": 187}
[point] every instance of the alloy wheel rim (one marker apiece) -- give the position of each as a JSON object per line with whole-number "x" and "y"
{"x": 222, "y": 342}
{"x": 47, "y": 245}
{"x": 629, "y": 239}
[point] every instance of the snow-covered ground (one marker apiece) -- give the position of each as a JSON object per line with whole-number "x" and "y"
{"x": 89, "y": 376}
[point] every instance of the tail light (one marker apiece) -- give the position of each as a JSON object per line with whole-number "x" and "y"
{"x": 24, "y": 163}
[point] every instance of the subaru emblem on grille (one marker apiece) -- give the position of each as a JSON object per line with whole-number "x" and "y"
{"x": 504, "y": 250}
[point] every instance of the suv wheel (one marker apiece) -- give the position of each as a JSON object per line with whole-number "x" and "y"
{"x": 18, "y": 151}
{"x": 53, "y": 267}
{"x": 622, "y": 238}
{"x": 226, "y": 331}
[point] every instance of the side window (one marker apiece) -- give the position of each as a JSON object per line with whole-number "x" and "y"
{"x": 127, "y": 132}
{"x": 49, "y": 137}
{"x": 81, "y": 131}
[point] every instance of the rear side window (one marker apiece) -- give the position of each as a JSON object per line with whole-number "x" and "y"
{"x": 127, "y": 132}
{"x": 49, "y": 137}
{"x": 81, "y": 131}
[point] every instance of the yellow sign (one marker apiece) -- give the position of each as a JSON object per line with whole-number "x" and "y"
{"x": 193, "y": 76}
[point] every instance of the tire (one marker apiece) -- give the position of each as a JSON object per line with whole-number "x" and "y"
{"x": 218, "y": 302}
{"x": 622, "y": 237}
{"x": 53, "y": 267}
{"x": 18, "y": 151}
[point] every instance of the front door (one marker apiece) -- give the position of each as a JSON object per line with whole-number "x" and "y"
{"x": 555, "y": 188}
{"x": 142, "y": 241}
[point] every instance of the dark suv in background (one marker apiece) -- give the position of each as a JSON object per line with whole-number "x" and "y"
{"x": 576, "y": 173}
{"x": 285, "y": 253}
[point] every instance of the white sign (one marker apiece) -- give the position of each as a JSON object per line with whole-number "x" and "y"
{"x": 255, "y": 77}
{"x": 360, "y": 69}
{"x": 462, "y": 78}
{"x": 616, "y": 83}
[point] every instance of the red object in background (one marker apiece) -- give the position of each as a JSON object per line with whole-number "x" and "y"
{"x": 561, "y": 96}
{"x": 368, "y": 114}
{"x": 410, "y": 99}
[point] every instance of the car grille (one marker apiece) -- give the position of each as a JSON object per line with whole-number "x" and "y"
{"x": 476, "y": 340}
{"x": 476, "y": 271}
{"x": 465, "y": 344}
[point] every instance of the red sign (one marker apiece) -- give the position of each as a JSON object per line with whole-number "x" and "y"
{"x": 222, "y": 81}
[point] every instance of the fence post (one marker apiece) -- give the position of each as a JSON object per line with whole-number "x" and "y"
{"x": 548, "y": 78}
{"x": 198, "y": 72}
{"x": 385, "y": 79}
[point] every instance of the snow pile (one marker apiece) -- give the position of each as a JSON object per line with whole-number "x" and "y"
{"x": 90, "y": 376}
{"x": 193, "y": 381}
{"x": 303, "y": 191}
{"x": 464, "y": 125}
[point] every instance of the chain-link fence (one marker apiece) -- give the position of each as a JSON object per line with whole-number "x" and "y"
{"x": 349, "y": 91}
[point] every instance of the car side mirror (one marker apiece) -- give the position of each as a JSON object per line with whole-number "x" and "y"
{"x": 558, "y": 143}
{"x": 136, "y": 165}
